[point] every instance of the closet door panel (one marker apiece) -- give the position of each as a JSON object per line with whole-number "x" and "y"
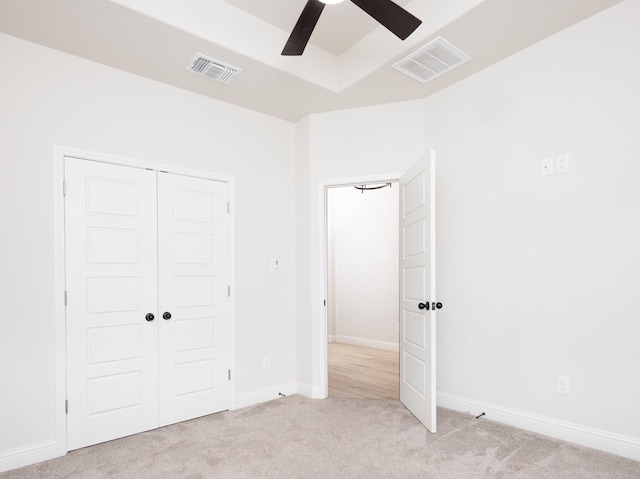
{"x": 111, "y": 274}
{"x": 193, "y": 280}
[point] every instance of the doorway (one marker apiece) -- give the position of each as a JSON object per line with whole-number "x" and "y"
{"x": 417, "y": 288}
{"x": 362, "y": 290}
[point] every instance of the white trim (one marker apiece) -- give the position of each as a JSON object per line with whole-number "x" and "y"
{"x": 310, "y": 391}
{"x": 619, "y": 444}
{"x": 58, "y": 447}
{"x": 331, "y": 338}
{"x": 31, "y": 454}
{"x": 59, "y": 307}
{"x": 264, "y": 395}
{"x": 358, "y": 180}
{"x": 232, "y": 282}
{"x": 367, "y": 343}
{"x": 321, "y": 391}
{"x": 62, "y": 151}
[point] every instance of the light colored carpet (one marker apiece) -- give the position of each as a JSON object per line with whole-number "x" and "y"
{"x": 301, "y": 438}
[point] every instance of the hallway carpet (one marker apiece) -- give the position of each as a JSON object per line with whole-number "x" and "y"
{"x": 301, "y": 438}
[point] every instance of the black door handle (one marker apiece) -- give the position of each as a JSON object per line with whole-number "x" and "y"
{"x": 149, "y": 317}
{"x": 166, "y": 315}
{"x": 433, "y": 306}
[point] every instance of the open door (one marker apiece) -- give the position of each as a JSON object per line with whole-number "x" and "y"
{"x": 417, "y": 291}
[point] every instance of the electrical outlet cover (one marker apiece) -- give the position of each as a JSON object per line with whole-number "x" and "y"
{"x": 562, "y": 163}
{"x": 563, "y": 385}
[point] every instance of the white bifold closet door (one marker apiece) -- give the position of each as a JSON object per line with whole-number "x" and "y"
{"x": 148, "y": 313}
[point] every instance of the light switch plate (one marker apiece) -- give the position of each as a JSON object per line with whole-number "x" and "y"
{"x": 276, "y": 264}
{"x": 546, "y": 166}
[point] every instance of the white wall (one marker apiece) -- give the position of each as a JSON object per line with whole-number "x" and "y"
{"x": 363, "y": 266}
{"x": 49, "y": 98}
{"x": 538, "y": 275}
{"x": 304, "y": 338}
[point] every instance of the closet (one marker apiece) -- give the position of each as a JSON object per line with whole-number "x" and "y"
{"x": 147, "y": 308}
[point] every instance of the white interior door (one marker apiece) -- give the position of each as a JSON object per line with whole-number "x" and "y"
{"x": 417, "y": 292}
{"x": 149, "y": 312}
{"x": 111, "y": 277}
{"x": 195, "y": 308}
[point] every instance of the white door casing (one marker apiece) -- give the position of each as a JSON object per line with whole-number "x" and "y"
{"x": 130, "y": 234}
{"x": 111, "y": 277}
{"x": 417, "y": 285}
{"x": 193, "y": 284}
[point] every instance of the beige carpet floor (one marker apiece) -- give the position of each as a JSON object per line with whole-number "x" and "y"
{"x": 300, "y": 438}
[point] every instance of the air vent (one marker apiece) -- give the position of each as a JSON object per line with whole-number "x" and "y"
{"x": 211, "y": 68}
{"x": 432, "y": 60}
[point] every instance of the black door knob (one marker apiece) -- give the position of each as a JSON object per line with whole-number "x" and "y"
{"x": 438, "y": 305}
{"x": 166, "y": 315}
{"x": 424, "y": 306}
{"x": 149, "y": 317}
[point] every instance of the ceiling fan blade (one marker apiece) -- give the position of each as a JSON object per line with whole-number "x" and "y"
{"x": 304, "y": 27}
{"x": 391, "y": 16}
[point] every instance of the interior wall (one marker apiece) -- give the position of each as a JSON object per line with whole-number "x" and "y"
{"x": 51, "y": 98}
{"x": 362, "y": 230}
{"x": 538, "y": 275}
{"x": 306, "y": 367}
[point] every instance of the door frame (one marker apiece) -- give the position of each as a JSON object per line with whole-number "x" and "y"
{"x": 323, "y": 326}
{"x": 60, "y": 331}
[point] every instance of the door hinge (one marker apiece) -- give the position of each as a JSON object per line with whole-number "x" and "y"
{"x": 229, "y": 374}
{"x": 325, "y": 302}
{"x": 229, "y": 291}
{"x": 65, "y": 298}
{"x": 64, "y": 188}
{"x": 66, "y": 406}
{"x": 228, "y": 208}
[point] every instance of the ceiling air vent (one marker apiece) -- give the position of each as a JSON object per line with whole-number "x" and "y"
{"x": 432, "y": 60}
{"x": 211, "y": 68}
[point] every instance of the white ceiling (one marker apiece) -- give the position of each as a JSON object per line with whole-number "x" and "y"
{"x": 347, "y": 63}
{"x": 340, "y": 26}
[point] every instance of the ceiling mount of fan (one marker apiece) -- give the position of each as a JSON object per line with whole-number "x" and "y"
{"x": 389, "y": 14}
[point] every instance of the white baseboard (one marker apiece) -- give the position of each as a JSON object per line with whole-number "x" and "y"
{"x": 25, "y": 456}
{"x": 310, "y": 391}
{"x": 368, "y": 343}
{"x": 618, "y": 444}
{"x": 331, "y": 338}
{"x": 263, "y": 395}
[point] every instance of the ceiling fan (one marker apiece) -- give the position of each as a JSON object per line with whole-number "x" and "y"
{"x": 390, "y": 15}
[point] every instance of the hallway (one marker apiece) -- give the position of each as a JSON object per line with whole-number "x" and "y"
{"x": 363, "y": 373}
